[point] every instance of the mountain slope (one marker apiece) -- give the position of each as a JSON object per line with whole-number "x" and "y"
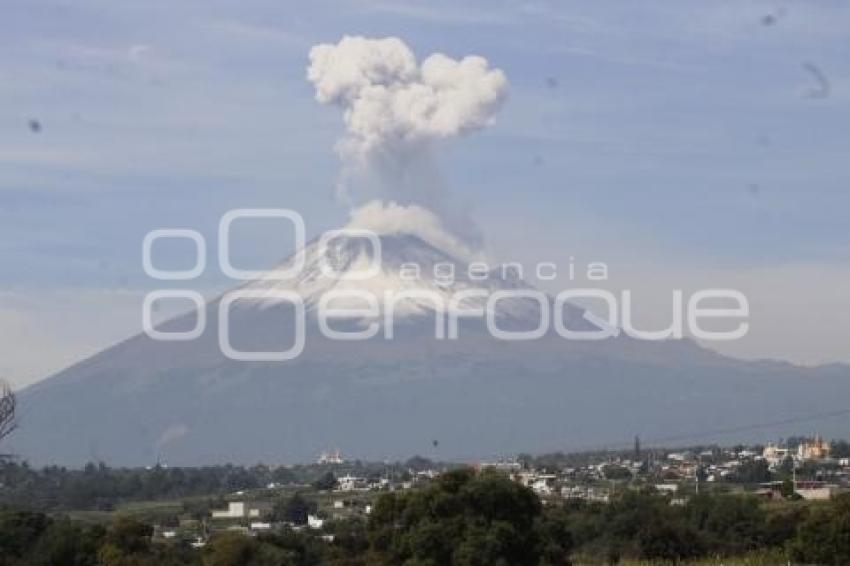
{"x": 390, "y": 398}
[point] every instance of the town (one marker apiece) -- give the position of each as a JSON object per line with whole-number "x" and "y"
{"x": 338, "y": 499}
{"x": 797, "y": 468}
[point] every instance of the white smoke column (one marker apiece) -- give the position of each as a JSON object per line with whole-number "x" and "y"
{"x": 171, "y": 434}
{"x": 390, "y": 217}
{"x": 395, "y": 109}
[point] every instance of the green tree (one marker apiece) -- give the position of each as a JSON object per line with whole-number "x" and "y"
{"x": 233, "y": 549}
{"x": 752, "y": 471}
{"x": 127, "y": 542}
{"x": 824, "y": 536}
{"x": 293, "y": 509}
{"x": 555, "y": 541}
{"x": 20, "y": 530}
{"x": 839, "y": 449}
{"x": 464, "y": 518}
{"x": 326, "y": 481}
{"x": 668, "y": 540}
{"x": 615, "y": 472}
{"x": 731, "y": 524}
{"x": 33, "y": 538}
{"x": 787, "y": 488}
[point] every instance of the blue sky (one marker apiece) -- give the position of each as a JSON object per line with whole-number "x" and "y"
{"x": 677, "y": 141}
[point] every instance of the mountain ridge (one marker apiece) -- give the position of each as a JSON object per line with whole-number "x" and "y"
{"x": 383, "y": 398}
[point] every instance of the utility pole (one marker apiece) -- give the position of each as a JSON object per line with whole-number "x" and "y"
{"x": 794, "y": 476}
{"x": 696, "y": 472}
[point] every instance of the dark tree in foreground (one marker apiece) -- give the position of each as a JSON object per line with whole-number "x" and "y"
{"x": 466, "y": 519}
{"x": 824, "y": 537}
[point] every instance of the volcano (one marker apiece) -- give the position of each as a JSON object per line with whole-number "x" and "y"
{"x": 380, "y": 398}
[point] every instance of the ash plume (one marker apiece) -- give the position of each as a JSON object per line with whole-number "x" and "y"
{"x": 396, "y": 110}
{"x": 388, "y": 217}
{"x": 171, "y": 434}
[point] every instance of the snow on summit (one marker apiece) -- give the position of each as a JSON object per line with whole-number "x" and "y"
{"x": 415, "y": 259}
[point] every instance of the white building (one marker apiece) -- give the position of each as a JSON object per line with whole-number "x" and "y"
{"x": 509, "y": 466}
{"x": 542, "y": 484}
{"x": 351, "y": 483}
{"x": 235, "y": 510}
{"x": 774, "y": 454}
{"x": 314, "y": 522}
{"x": 821, "y": 493}
{"x": 331, "y": 457}
{"x": 242, "y": 510}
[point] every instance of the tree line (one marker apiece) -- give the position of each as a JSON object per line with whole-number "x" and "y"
{"x": 466, "y": 518}
{"x": 98, "y": 486}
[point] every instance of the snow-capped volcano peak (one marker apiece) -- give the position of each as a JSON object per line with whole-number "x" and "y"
{"x": 423, "y": 277}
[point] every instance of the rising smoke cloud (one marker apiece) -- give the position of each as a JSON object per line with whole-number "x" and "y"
{"x": 388, "y": 217}
{"x": 171, "y": 434}
{"x": 396, "y": 110}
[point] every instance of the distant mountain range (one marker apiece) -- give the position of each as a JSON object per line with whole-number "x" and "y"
{"x": 477, "y": 396}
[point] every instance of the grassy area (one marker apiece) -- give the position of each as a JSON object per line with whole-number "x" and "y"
{"x": 156, "y": 511}
{"x": 146, "y": 511}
